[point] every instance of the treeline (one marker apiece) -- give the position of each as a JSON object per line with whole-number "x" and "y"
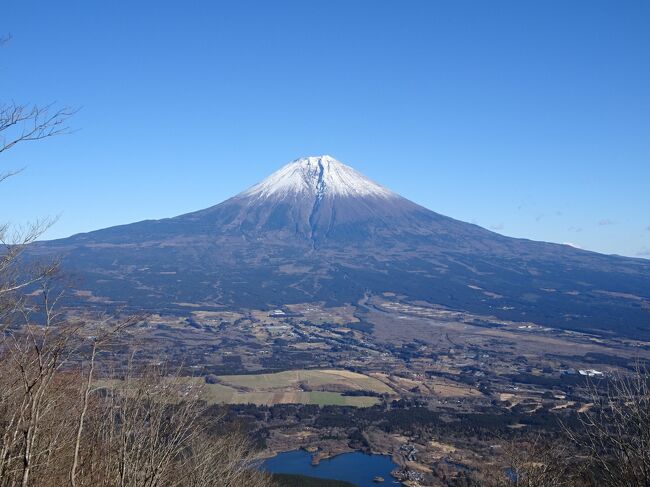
{"x": 72, "y": 412}
{"x": 66, "y": 420}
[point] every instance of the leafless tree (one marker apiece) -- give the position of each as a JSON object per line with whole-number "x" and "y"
{"x": 532, "y": 461}
{"x": 20, "y": 123}
{"x": 59, "y": 422}
{"x": 39, "y": 385}
{"x": 24, "y": 123}
{"x": 614, "y": 432}
{"x": 608, "y": 445}
{"x": 31, "y": 390}
{"x": 150, "y": 430}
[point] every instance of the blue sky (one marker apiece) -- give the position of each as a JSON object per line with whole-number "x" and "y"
{"x": 530, "y": 118}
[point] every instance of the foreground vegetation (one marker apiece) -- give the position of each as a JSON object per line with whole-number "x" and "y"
{"x": 77, "y": 409}
{"x": 56, "y": 427}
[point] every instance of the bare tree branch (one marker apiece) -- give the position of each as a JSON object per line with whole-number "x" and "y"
{"x": 22, "y": 123}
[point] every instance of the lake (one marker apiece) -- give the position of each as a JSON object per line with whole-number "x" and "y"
{"x": 357, "y": 468}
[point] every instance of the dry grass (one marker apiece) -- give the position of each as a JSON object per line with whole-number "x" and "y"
{"x": 336, "y": 380}
{"x": 288, "y": 387}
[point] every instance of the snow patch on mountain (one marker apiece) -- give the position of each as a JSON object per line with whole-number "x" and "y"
{"x": 318, "y": 177}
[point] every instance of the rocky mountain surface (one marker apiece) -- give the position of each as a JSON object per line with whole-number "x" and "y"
{"x": 317, "y": 230}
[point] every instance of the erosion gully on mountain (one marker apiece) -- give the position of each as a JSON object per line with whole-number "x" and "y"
{"x": 320, "y": 192}
{"x": 317, "y": 230}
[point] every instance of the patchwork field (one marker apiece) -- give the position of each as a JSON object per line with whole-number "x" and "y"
{"x": 322, "y": 387}
{"x": 307, "y": 379}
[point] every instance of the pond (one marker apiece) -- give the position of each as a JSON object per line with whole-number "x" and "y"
{"x": 357, "y": 468}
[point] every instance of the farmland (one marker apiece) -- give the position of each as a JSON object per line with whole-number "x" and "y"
{"x": 388, "y": 375}
{"x": 320, "y": 387}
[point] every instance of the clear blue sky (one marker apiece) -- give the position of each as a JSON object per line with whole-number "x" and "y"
{"x": 531, "y": 118}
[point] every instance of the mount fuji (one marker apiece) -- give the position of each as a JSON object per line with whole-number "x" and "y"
{"x": 317, "y": 230}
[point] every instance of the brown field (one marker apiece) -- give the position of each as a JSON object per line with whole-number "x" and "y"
{"x": 450, "y": 389}
{"x": 287, "y": 388}
{"x": 295, "y": 387}
{"x": 438, "y": 387}
{"x": 297, "y": 380}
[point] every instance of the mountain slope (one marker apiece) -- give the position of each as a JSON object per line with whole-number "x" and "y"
{"x": 318, "y": 230}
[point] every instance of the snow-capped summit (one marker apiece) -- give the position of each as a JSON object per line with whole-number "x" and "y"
{"x": 319, "y": 176}
{"x": 318, "y": 231}
{"x": 318, "y": 198}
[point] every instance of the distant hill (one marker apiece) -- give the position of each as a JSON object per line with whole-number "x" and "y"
{"x": 317, "y": 230}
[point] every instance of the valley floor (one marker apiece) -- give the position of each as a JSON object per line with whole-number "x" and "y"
{"x": 434, "y": 388}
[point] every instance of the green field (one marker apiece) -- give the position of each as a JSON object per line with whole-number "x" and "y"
{"x": 320, "y": 387}
{"x": 295, "y": 387}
